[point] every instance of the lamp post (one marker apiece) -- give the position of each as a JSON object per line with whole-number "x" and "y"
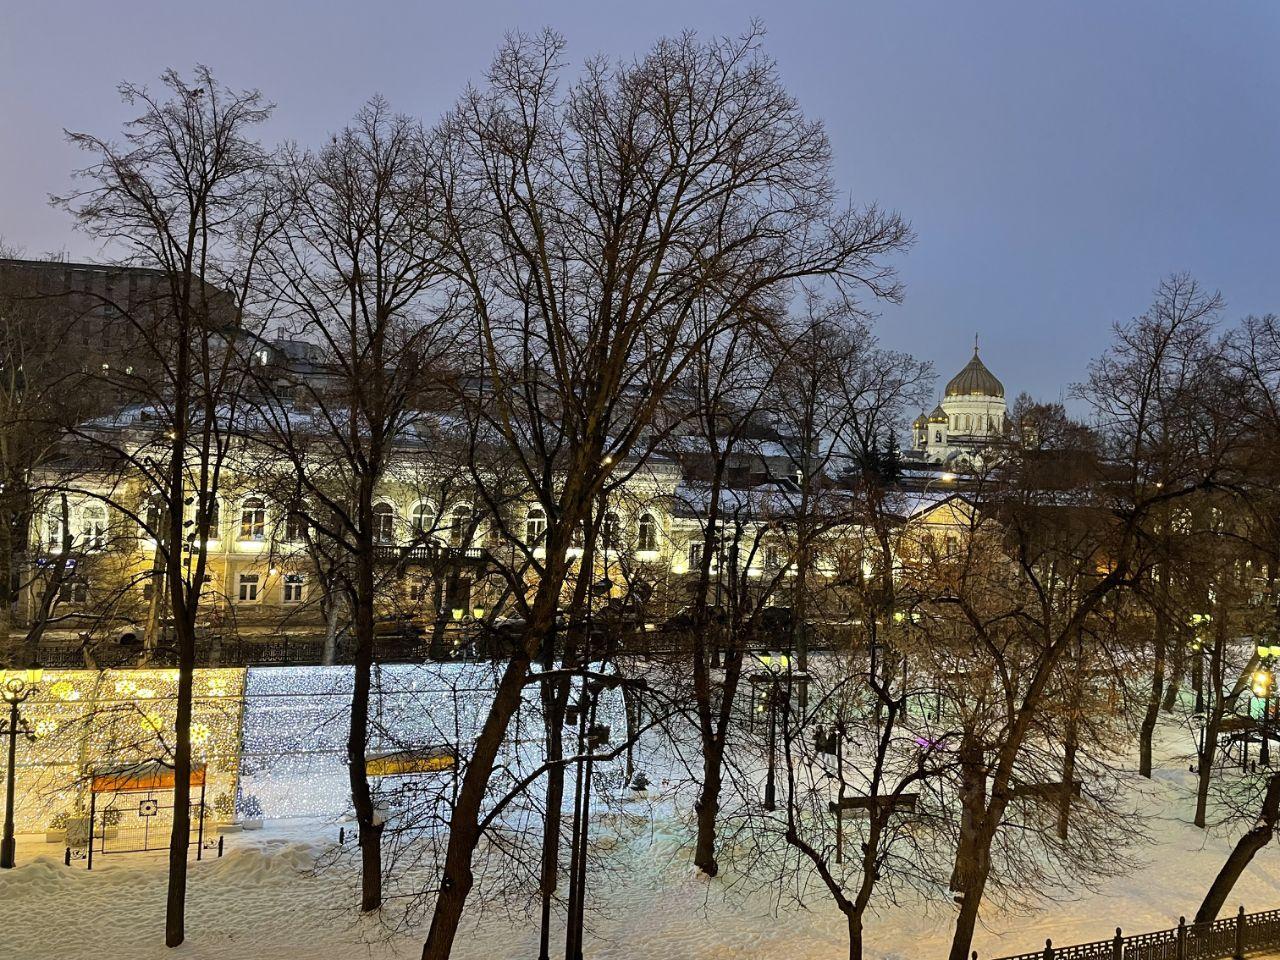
{"x": 17, "y": 687}
{"x": 1263, "y": 685}
{"x": 1197, "y": 665}
{"x": 590, "y": 736}
{"x": 774, "y": 665}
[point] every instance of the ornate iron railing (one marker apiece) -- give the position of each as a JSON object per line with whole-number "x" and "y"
{"x": 1233, "y": 937}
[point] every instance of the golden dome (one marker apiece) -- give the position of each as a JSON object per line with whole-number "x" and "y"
{"x": 975, "y": 380}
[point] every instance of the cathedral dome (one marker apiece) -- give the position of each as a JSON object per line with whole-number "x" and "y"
{"x": 975, "y": 380}
{"x": 938, "y": 416}
{"x": 920, "y": 422}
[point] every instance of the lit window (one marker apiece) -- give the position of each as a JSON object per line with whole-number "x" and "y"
{"x": 93, "y": 526}
{"x": 152, "y": 520}
{"x": 294, "y": 587}
{"x": 647, "y": 533}
{"x": 54, "y": 530}
{"x": 384, "y": 523}
{"x": 535, "y": 526}
{"x": 295, "y": 527}
{"x": 248, "y": 588}
{"x": 214, "y": 510}
{"x": 253, "y": 519}
{"x": 421, "y": 518}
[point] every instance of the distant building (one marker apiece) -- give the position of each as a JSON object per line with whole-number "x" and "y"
{"x": 967, "y": 426}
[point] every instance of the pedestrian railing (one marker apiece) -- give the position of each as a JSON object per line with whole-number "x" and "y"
{"x": 1233, "y": 937}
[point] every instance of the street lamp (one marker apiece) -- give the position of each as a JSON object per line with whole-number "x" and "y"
{"x": 17, "y": 687}
{"x": 1263, "y": 684}
{"x": 775, "y": 664}
{"x": 590, "y": 736}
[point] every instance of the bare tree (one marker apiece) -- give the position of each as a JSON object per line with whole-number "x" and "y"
{"x": 584, "y": 229}
{"x": 351, "y": 267}
{"x": 180, "y": 195}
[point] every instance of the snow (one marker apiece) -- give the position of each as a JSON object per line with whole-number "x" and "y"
{"x": 276, "y": 893}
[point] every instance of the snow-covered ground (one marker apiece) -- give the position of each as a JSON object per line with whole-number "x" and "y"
{"x": 269, "y": 896}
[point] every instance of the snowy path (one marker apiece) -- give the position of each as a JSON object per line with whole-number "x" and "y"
{"x": 266, "y": 899}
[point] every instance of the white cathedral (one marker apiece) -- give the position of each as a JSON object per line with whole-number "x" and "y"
{"x": 967, "y": 425}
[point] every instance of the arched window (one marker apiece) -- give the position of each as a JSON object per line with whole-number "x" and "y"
{"x": 968, "y": 423}
{"x": 535, "y": 526}
{"x": 384, "y": 523}
{"x": 647, "y": 533}
{"x": 93, "y": 526}
{"x": 421, "y": 518}
{"x": 253, "y": 519}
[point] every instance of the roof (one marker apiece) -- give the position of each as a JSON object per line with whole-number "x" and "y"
{"x": 975, "y": 380}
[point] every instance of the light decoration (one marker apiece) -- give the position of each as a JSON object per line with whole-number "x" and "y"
{"x": 89, "y": 720}
{"x": 294, "y": 752}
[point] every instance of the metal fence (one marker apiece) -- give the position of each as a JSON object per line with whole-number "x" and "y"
{"x": 1233, "y": 937}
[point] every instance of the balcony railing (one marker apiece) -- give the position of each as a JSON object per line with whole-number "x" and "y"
{"x": 429, "y": 553}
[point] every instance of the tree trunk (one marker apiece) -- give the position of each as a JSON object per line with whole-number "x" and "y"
{"x": 855, "y": 935}
{"x": 370, "y": 830}
{"x": 707, "y": 808}
{"x": 329, "y": 655}
{"x": 1242, "y": 853}
{"x": 554, "y": 698}
{"x": 1068, "y": 775}
{"x": 1205, "y": 765}
{"x": 1148, "y": 728}
{"x": 464, "y": 827}
{"x": 180, "y": 836}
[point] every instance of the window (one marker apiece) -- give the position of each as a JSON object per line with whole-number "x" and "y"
{"x": 535, "y": 526}
{"x": 93, "y": 526}
{"x": 421, "y": 518}
{"x": 152, "y": 520}
{"x": 384, "y": 523}
{"x": 73, "y": 590}
{"x": 253, "y": 519}
{"x": 459, "y": 525}
{"x": 647, "y": 533}
{"x": 771, "y": 557}
{"x": 294, "y": 587}
{"x": 54, "y": 530}
{"x": 214, "y": 510}
{"x": 248, "y": 588}
{"x": 295, "y": 527}
{"x": 695, "y": 555}
{"x": 609, "y": 529}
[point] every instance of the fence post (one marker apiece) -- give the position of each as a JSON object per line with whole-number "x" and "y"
{"x": 1048, "y": 950}
{"x": 1182, "y": 938}
{"x": 66, "y": 857}
{"x": 1117, "y": 946}
{"x": 1239, "y": 954}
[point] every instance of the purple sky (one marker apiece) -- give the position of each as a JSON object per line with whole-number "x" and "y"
{"x": 1055, "y": 159}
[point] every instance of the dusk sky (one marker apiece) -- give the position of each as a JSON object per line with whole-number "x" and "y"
{"x": 1055, "y": 160}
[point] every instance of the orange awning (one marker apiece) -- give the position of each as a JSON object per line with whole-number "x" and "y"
{"x": 145, "y": 776}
